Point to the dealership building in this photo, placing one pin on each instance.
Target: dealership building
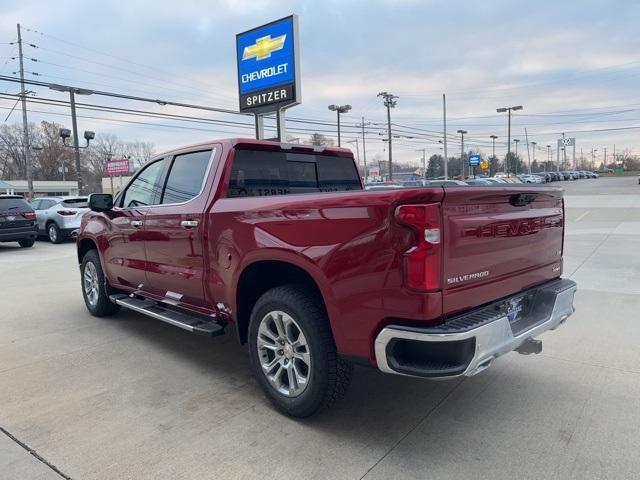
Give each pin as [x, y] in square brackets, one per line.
[41, 188]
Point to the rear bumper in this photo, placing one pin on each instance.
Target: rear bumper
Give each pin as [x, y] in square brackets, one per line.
[18, 233]
[468, 343]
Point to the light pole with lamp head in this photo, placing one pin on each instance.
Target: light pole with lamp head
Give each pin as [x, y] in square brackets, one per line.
[502, 110]
[462, 133]
[339, 109]
[74, 123]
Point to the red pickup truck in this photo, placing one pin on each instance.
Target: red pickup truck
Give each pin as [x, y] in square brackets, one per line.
[315, 274]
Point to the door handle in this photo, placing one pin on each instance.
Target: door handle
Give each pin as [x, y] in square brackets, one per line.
[137, 223]
[189, 223]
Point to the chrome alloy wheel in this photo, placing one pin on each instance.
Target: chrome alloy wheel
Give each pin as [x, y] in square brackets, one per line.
[53, 233]
[284, 353]
[91, 286]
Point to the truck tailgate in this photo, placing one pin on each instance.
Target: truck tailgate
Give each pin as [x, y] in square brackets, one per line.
[499, 241]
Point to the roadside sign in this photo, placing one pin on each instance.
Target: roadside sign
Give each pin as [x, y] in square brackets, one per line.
[484, 165]
[268, 66]
[474, 160]
[117, 167]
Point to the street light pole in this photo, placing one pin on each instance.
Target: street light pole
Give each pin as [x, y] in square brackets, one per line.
[462, 132]
[339, 109]
[508, 110]
[74, 124]
[389, 102]
[534, 155]
[516, 140]
[76, 145]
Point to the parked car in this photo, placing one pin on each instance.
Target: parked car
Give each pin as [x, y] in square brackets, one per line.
[534, 178]
[315, 274]
[447, 183]
[58, 217]
[478, 181]
[495, 180]
[17, 221]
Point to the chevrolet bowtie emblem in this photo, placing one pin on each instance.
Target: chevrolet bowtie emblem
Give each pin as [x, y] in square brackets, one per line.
[263, 47]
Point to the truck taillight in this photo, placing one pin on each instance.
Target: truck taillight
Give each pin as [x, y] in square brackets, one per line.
[422, 261]
[66, 213]
[29, 215]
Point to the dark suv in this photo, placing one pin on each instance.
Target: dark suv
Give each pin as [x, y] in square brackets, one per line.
[17, 221]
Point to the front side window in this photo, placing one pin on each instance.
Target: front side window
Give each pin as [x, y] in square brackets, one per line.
[145, 188]
[186, 177]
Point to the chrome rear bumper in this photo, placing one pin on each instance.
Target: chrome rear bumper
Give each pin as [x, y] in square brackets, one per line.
[468, 343]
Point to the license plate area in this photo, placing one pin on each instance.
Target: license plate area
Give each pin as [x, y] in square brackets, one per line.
[515, 308]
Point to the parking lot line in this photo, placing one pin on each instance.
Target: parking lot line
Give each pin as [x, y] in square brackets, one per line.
[582, 216]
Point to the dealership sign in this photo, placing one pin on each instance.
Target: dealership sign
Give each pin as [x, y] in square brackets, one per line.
[474, 160]
[117, 167]
[267, 58]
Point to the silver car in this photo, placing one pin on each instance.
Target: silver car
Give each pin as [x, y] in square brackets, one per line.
[58, 217]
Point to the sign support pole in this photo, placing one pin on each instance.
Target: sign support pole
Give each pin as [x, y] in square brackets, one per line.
[259, 118]
[281, 124]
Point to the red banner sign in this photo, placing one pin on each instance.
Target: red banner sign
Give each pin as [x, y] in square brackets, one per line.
[118, 167]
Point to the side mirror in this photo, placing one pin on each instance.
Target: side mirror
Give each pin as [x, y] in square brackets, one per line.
[100, 202]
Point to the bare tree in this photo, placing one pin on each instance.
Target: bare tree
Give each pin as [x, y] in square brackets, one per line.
[320, 140]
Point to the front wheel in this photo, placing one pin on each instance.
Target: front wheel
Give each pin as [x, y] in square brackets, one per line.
[95, 289]
[292, 352]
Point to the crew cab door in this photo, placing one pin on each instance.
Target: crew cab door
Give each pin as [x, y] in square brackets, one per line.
[125, 260]
[174, 229]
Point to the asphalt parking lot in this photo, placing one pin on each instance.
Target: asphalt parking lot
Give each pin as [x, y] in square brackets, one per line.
[130, 397]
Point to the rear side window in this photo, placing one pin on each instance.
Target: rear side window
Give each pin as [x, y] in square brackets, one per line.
[186, 177]
[262, 173]
[76, 202]
[145, 188]
[14, 205]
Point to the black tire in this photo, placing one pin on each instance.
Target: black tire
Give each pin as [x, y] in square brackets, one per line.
[102, 307]
[54, 234]
[328, 376]
[26, 243]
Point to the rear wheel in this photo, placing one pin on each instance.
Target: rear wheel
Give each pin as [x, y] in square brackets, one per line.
[95, 289]
[292, 352]
[27, 242]
[54, 233]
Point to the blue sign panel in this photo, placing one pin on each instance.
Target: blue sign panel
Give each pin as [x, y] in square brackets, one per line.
[267, 65]
[474, 160]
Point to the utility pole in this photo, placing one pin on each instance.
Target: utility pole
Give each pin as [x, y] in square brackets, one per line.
[364, 151]
[548, 157]
[389, 102]
[25, 123]
[462, 132]
[444, 117]
[605, 156]
[564, 153]
[424, 161]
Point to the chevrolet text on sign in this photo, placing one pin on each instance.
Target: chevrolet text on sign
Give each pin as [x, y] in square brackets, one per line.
[267, 59]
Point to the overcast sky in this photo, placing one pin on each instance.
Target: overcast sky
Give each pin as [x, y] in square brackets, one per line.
[574, 66]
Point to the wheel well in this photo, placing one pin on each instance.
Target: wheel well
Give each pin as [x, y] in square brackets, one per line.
[84, 246]
[259, 277]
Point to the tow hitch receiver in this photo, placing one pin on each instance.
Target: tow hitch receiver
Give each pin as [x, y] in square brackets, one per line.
[529, 346]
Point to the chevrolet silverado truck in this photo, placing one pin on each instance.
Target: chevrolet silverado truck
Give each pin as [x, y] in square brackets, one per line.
[315, 274]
